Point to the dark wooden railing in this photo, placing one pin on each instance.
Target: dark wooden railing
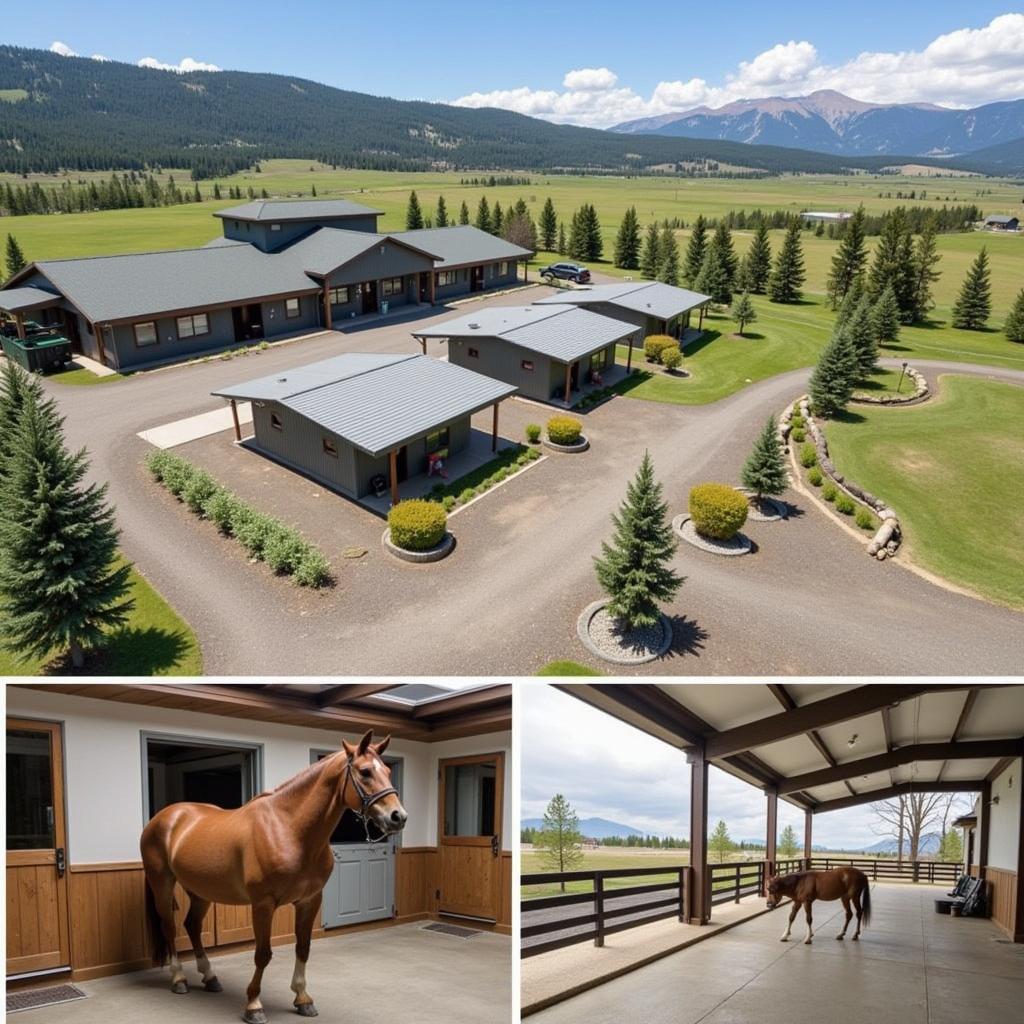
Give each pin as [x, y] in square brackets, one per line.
[731, 882]
[932, 871]
[607, 907]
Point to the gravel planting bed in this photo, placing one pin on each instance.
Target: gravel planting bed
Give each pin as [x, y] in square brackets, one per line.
[434, 554]
[769, 510]
[601, 635]
[683, 527]
[580, 446]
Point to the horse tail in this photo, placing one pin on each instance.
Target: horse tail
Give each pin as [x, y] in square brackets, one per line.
[156, 929]
[865, 902]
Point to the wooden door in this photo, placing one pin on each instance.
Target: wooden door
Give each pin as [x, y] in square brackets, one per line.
[469, 820]
[37, 886]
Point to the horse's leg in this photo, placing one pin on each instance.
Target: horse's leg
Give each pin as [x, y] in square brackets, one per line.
[197, 909]
[789, 924]
[306, 913]
[849, 914]
[163, 897]
[262, 918]
[810, 932]
[857, 907]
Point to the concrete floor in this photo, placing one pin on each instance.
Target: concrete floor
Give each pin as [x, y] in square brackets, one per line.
[402, 974]
[911, 966]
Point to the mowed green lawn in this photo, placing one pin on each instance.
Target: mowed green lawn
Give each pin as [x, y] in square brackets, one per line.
[953, 469]
[155, 641]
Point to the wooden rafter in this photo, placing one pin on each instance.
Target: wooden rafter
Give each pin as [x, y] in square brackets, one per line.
[344, 692]
[973, 786]
[969, 699]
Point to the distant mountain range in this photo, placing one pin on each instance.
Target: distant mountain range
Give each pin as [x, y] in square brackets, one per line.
[829, 122]
[595, 828]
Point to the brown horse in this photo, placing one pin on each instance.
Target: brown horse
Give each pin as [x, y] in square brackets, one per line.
[803, 888]
[273, 850]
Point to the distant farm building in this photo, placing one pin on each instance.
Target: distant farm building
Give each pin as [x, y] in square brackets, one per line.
[1000, 222]
[825, 217]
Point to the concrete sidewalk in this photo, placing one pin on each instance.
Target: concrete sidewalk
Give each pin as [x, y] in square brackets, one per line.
[170, 435]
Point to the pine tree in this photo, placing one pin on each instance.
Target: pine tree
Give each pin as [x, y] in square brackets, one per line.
[863, 337]
[721, 241]
[849, 259]
[577, 237]
[627, 242]
[593, 244]
[18, 389]
[60, 587]
[850, 301]
[832, 381]
[15, 258]
[719, 841]
[464, 213]
[497, 220]
[893, 263]
[313, 191]
[886, 318]
[713, 278]
[696, 249]
[559, 838]
[759, 260]
[413, 214]
[634, 569]
[441, 216]
[787, 845]
[1014, 326]
[548, 225]
[668, 265]
[926, 256]
[651, 255]
[563, 245]
[974, 303]
[764, 472]
[216, 191]
[786, 280]
[743, 311]
[483, 215]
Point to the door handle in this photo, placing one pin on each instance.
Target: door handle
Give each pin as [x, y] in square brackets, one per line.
[61, 864]
[495, 847]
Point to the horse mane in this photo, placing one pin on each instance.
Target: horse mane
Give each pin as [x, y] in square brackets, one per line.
[301, 777]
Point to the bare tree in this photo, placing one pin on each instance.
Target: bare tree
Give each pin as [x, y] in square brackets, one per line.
[909, 817]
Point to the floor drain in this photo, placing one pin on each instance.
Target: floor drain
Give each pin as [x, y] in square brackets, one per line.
[31, 999]
[452, 929]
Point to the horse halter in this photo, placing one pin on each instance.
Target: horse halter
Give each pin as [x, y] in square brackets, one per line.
[366, 800]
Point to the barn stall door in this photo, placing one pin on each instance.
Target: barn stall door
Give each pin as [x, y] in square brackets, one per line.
[470, 835]
[37, 893]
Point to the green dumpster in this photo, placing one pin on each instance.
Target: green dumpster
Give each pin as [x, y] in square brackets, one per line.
[38, 355]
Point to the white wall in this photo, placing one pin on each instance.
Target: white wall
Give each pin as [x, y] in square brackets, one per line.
[1004, 824]
[104, 776]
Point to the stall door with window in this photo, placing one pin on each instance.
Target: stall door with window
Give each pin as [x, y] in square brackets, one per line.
[470, 841]
[37, 894]
[362, 884]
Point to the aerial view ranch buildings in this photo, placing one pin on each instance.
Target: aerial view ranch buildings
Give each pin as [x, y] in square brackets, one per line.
[316, 445]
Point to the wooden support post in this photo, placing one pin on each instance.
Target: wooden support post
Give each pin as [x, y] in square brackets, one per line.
[423, 345]
[526, 271]
[19, 321]
[599, 910]
[700, 895]
[433, 284]
[568, 383]
[328, 322]
[629, 356]
[1017, 924]
[684, 910]
[494, 429]
[393, 473]
[234, 417]
[983, 827]
[700, 323]
[771, 832]
[808, 829]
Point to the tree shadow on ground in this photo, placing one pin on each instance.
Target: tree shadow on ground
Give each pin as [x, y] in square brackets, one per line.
[702, 342]
[687, 637]
[847, 416]
[128, 652]
[748, 336]
[634, 380]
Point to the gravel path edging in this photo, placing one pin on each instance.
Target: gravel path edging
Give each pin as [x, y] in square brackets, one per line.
[434, 554]
[755, 515]
[682, 527]
[570, 449]
[583, 632]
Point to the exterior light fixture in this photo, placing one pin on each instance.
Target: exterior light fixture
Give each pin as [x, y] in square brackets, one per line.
[852, 741]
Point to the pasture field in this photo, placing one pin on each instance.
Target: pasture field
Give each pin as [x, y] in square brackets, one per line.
[953, 469]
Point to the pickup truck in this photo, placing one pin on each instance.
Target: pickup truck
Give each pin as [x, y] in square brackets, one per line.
[567, 272]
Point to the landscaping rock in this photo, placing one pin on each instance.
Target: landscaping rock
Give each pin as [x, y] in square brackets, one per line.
[683, 527]
[580, 446]
[434, 554]
[604, 637]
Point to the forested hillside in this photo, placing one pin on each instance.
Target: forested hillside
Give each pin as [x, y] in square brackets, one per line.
[79, 114]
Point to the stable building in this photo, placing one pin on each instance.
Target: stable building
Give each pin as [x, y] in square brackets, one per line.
[357, 420]
[654, 307]
[89, 765]
[1001, 222]
[546, 351]
[279, 269]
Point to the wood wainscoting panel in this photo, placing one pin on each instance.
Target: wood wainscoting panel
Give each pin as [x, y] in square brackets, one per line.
[505, 901]
[1002, 887]
[234, 924]
[108, 919]
[415, 874]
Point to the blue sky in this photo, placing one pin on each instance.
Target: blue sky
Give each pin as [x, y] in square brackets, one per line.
[652, 56]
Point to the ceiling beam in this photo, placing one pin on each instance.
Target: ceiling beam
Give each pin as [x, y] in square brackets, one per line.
[887, 729]
[900, 756]
[875, 796]
[854, 703]
[969, 699]
[998, 768]
[648, 700]
[331, 695]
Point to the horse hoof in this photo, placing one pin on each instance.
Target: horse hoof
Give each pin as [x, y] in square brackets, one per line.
[306, 1010]
[254, 1017]
[807, 942]
[180, 988]
[213, 985]
[856, 938]
[839, 938]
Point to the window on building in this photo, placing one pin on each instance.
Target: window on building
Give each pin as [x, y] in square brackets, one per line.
[392, 286]
[330, 448]
[145, 334]
[275, 421]
[527, 364]
[292, 308]
[437, 440]
[599, 360]
[275, 227]
[503, 268]
[446, 277]
[193, 326]
[340, 296]
[474, 353]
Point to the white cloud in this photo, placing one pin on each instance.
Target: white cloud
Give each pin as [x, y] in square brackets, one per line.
[62, 48]
[101, 58]
[186, 64]
[963, 68]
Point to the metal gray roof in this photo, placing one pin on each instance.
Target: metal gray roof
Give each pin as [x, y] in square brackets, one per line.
[326, 249]
[998, 218]
[108, 288]
[663, 301]
[296, 209]
[463, 244]
[377, 402]
[15, 300]
[561, 332]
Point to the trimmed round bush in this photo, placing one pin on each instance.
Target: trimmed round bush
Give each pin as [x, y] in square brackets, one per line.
[417, 525]
[815, 477]
[864, 519]
[533, 431]
[253, 530]
[797, 420]
[565, 430]
[845, 504]
[671, 358]
[313, 570]
[717, 510]
[219, 508]
[798, 435]
[284, 550]
[829, 492]
[448, 502]
[655, 344]
[808, 455]
[198, 490]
